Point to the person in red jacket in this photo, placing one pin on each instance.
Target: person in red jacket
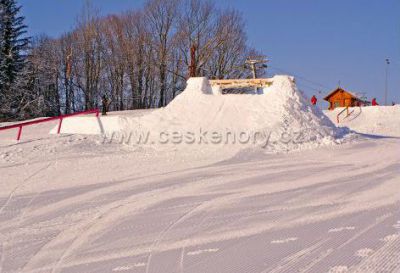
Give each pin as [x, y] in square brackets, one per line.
[314, 100]
[373, 102]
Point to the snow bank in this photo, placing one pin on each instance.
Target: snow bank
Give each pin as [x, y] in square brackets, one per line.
[279, 119]
[374, 120]
[87, 125]
[90, 125]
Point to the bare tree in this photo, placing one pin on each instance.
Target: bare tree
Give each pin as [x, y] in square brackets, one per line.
[67, 55]
[137, 43]
[140, 58]
[114, 59]
[89, 39]
[161, 16]
[196, 28]
[229, 53]
[45, 62]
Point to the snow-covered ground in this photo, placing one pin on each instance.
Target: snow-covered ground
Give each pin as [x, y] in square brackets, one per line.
[373, 120]
[83, 203]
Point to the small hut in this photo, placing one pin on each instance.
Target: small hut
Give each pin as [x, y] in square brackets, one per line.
[342, 98]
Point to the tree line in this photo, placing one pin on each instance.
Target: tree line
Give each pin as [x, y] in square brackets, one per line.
[137, 59]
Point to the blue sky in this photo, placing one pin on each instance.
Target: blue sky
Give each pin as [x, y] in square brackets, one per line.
[321, 42]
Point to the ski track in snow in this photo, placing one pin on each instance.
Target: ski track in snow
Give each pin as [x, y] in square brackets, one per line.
[339, 269]
[341, 229]
[202, 251]
[128, 267]
[363, 253]
[193, 222]
[284, 241]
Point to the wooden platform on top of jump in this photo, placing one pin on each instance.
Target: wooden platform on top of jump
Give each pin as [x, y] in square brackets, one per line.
[240, 83]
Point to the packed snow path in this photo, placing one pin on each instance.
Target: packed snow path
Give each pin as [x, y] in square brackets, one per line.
[70, 204]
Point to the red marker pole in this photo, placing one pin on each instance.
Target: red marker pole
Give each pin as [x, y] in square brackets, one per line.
[59, 125]
[19, 132]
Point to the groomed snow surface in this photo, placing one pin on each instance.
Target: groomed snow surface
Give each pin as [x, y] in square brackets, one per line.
[308, 197]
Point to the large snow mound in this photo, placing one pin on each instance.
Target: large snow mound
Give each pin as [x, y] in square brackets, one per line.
[372, 120]
[279, 119]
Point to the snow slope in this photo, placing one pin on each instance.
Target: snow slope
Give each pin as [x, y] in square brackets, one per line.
[373, 120]
[75, 204]
[280, 116]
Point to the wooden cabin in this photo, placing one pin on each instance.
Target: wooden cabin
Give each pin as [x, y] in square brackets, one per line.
[342, 98]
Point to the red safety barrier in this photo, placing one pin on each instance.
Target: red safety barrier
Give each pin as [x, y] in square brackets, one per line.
[60, 118]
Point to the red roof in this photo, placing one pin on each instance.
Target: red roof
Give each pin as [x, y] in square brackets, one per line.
[341, 89]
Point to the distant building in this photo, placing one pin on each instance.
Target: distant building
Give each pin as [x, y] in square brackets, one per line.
[342, 98]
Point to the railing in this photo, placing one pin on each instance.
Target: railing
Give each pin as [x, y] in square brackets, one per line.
[60, 118]
[341, 112]
[240, 83]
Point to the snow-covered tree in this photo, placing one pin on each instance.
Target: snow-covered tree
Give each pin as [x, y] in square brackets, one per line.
[13, 48]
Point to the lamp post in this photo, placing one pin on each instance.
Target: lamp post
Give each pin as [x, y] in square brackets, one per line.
[386, 79]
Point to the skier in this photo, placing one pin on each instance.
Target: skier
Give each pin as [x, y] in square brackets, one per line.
[314, 100]
[105, 102]
[374, 103]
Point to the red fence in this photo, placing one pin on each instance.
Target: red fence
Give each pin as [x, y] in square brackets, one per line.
[60, 118]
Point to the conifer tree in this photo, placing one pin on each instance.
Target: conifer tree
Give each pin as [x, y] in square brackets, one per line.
[13, 48]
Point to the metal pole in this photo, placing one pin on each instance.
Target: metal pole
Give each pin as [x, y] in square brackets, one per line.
[59, 126]
[386, 80]
[254, 70]
[19, 133]
[252, 63]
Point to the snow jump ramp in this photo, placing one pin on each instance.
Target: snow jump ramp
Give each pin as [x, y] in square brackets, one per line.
[280, 115]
